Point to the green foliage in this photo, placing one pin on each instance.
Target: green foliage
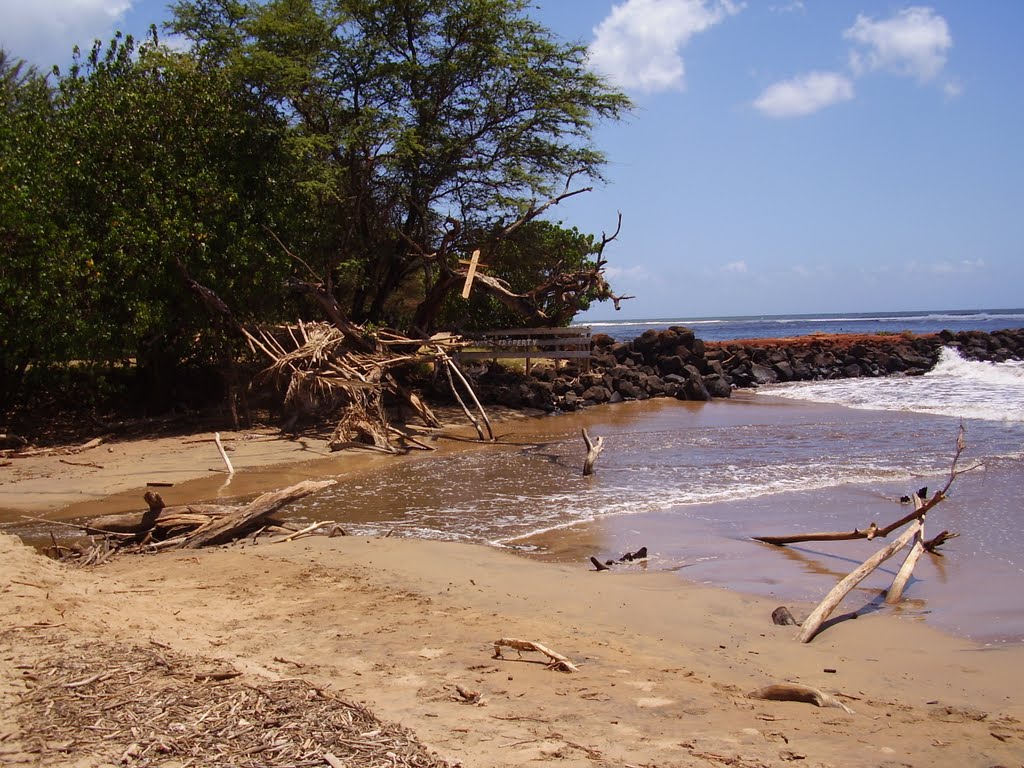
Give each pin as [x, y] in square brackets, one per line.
[137, 160]
[32, 277]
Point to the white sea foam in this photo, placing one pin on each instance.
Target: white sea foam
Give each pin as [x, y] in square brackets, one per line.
[956, 387]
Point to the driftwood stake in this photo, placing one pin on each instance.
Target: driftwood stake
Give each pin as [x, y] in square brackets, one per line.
[473, 397]
[462, 403]
[818, 616]
[907, 569]
[594, 448]
[223, 453]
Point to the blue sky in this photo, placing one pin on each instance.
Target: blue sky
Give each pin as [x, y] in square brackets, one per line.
[784, 157]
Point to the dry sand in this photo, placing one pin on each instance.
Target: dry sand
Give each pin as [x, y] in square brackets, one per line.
[665, 667]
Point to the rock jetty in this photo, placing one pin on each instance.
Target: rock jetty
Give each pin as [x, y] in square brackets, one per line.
[675, 363]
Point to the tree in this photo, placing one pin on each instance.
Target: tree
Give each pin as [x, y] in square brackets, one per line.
[169, 170]
[31, 279]
[137, 166]
[411, 115]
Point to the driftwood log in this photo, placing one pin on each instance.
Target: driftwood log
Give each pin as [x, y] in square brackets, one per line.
[796, 692]
[813, 623]
[191, 515]
[226, 528]
[200, 525]
[899, 583]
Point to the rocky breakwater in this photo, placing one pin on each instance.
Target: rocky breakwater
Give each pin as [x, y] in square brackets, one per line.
[675, 363]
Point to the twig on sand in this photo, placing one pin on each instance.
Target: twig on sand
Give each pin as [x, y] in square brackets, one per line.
[558, 661]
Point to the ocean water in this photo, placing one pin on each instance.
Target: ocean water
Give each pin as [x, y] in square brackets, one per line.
[774, 326]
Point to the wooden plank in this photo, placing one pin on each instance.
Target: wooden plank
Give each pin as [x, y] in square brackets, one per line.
[470, 274]
[518, 344]
[569, 354]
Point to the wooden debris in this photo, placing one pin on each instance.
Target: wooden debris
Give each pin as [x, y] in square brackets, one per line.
[223, 453]
[304, 532]
[557, 660]
[94, 443]
[228, 527]
[594, 448]
[895, 592]
[197, 525]
[469, 695]
[92, 464]
[640, 554]
[813, 622]
[802, 693]
[932, 545]
[158, 707]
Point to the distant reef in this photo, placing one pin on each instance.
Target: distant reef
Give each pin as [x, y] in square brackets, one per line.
[675, 363]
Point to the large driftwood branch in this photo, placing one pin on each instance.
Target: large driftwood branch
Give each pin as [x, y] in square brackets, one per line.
[164, 518]
[224, 529]
[450, 369]
[873, 531]
[813, 622]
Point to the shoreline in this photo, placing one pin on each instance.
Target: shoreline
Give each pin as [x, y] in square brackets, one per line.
[680, 539]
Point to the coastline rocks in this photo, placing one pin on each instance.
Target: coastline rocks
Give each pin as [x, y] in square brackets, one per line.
[675, 363]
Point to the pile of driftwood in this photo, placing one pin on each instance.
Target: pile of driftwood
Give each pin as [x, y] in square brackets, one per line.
[914, 532]
[339, 367]
[191, 526]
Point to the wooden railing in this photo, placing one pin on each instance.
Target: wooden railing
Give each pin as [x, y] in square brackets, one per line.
[530, 344]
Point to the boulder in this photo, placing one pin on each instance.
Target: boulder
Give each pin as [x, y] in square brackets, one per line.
[762, 374]
[717, 385]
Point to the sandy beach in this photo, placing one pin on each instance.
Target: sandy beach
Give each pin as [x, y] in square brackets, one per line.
[665, 666]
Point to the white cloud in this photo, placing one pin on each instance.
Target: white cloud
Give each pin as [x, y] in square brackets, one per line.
[638, 44]
[735, 267]
[804, 94]
[953, 88]
[638, 272]
[913, 42]
[43, 32]
[962, 267]
[795, 6]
